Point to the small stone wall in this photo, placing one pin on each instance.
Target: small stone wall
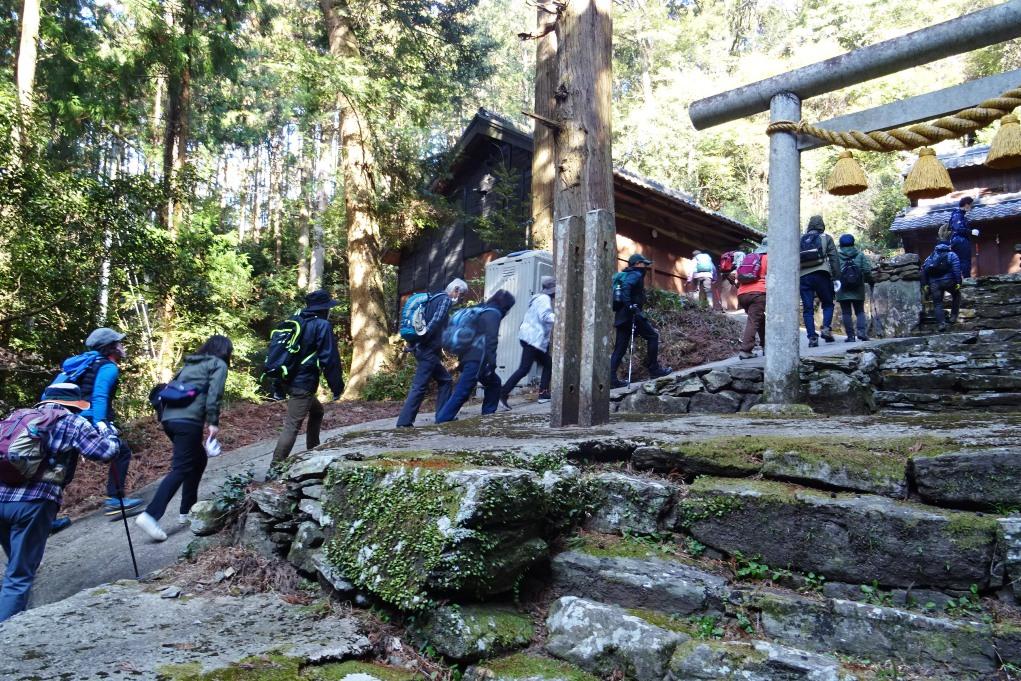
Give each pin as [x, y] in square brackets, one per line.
[991, 302]
[896, 296]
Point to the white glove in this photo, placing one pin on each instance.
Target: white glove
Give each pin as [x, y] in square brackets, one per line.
[974, 232]
[836, 285]
[107, 429]
[213, 448]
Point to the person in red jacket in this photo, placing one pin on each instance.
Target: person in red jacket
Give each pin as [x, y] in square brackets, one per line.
[751, 296]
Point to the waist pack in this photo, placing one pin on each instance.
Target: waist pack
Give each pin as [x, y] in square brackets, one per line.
[23, 455]
[462, 331]
[173, 394]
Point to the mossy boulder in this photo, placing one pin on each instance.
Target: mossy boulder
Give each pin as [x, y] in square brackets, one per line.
[525, 667]
[752, 661]
[877, 633]
[470, 632]
[985, 478]
[860, 471]
[850, 538]
[730, 457]
[408, 530]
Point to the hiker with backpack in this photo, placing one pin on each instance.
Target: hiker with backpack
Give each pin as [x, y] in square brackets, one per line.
[473, 335]
[855, 273]
[311, 352]
[961, 233]
[820, 269]
[534, 336]
[942, 272]
[423, 320]
[37, 449]
[751, 296]
[97, 373]
[628, 300]
[201, 382]
[705, 277]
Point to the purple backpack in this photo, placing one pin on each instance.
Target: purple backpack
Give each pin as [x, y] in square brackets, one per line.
[23, 455]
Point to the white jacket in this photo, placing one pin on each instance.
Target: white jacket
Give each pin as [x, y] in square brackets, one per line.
[537, 325]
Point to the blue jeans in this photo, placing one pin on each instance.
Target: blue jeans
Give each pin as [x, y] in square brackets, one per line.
[962, 249]
[430, 367]
[464, 389]
[24, 528]
[814, 284]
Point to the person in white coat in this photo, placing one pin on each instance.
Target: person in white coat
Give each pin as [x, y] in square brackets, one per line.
[534, 337]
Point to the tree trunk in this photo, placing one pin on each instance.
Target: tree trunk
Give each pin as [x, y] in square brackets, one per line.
[364, 240]
[543, 170]
[255, 194]
[25, 69]
[317, 259]
[273, 197]
[304, 211]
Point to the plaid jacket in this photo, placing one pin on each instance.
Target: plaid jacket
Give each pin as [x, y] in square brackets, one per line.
[73, 436]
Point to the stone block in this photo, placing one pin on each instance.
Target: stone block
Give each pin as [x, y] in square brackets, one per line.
[643, 403]
[845, 537]
[717, 379]
[628, 503]
[1010, 535]
[872, 477]
[724, 402]
[687, 386]
[694, 459]
[308, 538]
[465, 633]
[526, 667]
[605, 639]
[897, 305]
[206, 517]
[746, 386]
[751, 661]
[876, 632]
[646, 583]
[272, 500]
[970, 479]
[834, 392]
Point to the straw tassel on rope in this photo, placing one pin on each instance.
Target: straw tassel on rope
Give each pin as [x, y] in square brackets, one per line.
[1005, 151]
[847, 177]
[928, 178]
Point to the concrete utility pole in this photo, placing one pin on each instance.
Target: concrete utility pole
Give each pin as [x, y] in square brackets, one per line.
[782, 96]
[585, 244]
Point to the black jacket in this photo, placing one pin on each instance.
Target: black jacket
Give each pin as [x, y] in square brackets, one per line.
[437, 314]
[634, 294]
[487, 326]
[317, 339]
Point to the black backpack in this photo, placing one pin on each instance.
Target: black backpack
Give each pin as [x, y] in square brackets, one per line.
[811, 249]
[283, 354]
[850, 273]
[938, 266]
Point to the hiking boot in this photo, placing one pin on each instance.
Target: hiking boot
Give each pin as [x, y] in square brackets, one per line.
[745, 355]
[863, 338]
[941, 328]
[617, 383]
[151, 527]
[112, 505]
[813, 342]
[660, 371]
[827, 334]
[58, 524]
[543, 398]
[850, 339]
[182, 519]
[503, 402]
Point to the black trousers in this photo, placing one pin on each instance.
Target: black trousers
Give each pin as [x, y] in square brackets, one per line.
[186, 468]
[529, 356]
[643, 329]
[938, 288]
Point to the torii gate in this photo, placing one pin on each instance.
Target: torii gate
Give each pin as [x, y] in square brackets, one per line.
[782, 96]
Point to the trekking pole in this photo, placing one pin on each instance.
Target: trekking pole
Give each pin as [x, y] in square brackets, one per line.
[631, 353]
[124, 516]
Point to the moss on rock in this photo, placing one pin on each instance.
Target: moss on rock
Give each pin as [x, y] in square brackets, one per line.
[532, 667]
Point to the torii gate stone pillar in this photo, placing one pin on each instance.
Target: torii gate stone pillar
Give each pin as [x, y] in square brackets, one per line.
[782, 384]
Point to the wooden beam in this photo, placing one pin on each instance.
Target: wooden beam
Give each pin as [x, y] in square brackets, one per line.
[916, 109]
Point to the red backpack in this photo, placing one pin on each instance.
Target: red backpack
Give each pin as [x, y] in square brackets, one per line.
[23, 455]
[727, 262]
[750, 269]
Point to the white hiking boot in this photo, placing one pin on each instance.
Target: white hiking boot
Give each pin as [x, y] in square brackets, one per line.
[151, 527]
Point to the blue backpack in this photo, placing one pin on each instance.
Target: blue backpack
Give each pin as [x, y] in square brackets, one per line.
[462, 332]
[73, 367]
[413, 321]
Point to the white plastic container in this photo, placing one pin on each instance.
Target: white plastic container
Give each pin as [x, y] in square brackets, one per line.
[521, 274]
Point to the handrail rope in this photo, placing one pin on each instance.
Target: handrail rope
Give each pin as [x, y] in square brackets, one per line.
[914, 136]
